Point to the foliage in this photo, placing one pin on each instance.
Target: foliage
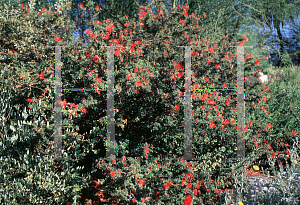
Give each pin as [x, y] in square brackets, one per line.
[27, 139]
[282, 186]
[283, 101]
[244, 13]
[27, 150]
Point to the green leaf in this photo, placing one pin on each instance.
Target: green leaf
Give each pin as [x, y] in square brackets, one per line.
[12, 128]
[14, 138]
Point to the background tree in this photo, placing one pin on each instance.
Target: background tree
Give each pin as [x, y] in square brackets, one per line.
[229, 16]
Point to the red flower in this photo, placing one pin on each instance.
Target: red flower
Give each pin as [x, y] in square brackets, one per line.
[44, 9]
[73, 105]
[99, 80]
[84, 110]
[29, 100]
[257, 62]
[81, 5]
[272, 155]
[69, 203]
[58, 39]
[176, 107]
[171, 182]
[87, 31]
[112, 174]
[97, 7]
[128, 76]
[227, 102]
[138, 83]
[294, 133]
[142, 182]
[206, 79]
[256, 144]
[42, 76]
[116, 41]
[203, 97]
[182, 21]
[189, 185]
[166, 186]
[96, 57]
[133, 200]
[64, 103]
[269, 125]
[96, 183]
[188, 200]
[211, 102]
[140, 16]
[226, 122]
[109, 29]
[212, 124]
[22, 6]
[147, 150]
[92, 35]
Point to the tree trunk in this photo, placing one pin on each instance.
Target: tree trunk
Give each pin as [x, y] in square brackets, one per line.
[281, 42]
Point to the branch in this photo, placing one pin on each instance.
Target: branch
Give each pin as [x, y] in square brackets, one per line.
[144, 6]
[288, 111]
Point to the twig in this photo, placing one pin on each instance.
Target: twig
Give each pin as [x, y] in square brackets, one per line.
[289, 111]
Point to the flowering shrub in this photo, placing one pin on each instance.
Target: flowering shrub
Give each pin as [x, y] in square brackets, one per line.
[161, 78]
[29, 175]
[147, 180]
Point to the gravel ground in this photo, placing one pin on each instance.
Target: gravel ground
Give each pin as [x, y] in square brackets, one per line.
[260, 184]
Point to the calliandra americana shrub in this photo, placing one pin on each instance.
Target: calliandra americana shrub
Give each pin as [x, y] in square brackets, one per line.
[85, 66]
